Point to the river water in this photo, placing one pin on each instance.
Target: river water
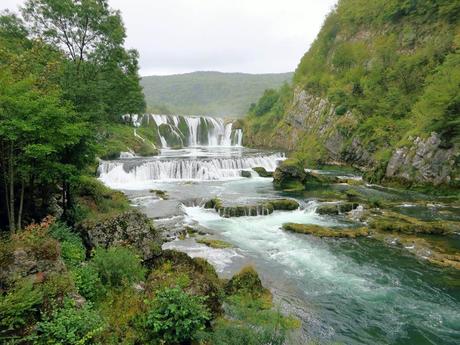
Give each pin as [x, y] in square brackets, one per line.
[345, 291]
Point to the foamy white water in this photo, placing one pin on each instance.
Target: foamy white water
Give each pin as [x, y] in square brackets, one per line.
[126, 175]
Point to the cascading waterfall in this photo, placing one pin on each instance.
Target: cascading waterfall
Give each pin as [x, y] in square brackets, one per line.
[119, 173]
[190, 131]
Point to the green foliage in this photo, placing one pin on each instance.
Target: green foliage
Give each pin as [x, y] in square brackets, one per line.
[88, 282]
[118, 266]
[70, 325]
[19, 307]
[72, 249]
[250, 320]
[266, 102]
[175, 317]
[211, 93]
[438, 108]
[96, 201]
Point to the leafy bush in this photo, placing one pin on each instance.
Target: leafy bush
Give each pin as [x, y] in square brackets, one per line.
[88, 282]
[266, 102]
[118, 266]
[72, 249]
[175, 317]
[70, 325]
[19, 307]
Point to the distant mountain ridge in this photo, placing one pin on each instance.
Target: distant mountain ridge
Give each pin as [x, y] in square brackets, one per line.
[207, 92]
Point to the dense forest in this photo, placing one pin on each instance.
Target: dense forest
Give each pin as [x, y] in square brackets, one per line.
[380, 76]
[208, 93]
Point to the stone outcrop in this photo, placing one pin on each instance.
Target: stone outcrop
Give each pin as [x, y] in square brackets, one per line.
[132, 228]
[425, 161]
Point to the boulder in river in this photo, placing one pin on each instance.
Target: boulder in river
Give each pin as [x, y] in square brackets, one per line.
[262, 172]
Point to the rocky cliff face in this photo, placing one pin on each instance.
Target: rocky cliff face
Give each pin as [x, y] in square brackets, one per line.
[312, 117]
[424, 161]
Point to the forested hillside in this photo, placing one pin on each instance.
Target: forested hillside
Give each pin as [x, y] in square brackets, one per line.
[208, 93]
[379, 89]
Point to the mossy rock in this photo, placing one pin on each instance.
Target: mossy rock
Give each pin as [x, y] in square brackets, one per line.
[173, 139]
[396, 222]
[183, 127]
[245, 173]
[247, 281]
[284, 204]
[203, 130]
[147, 149]
[312, 178]
[353, 195]
[194, 275]
[289, 175]
[245, 210]
[262, 172]
[213, 243]
[335, 209]
[160, 193]
[321, 231]
[214, 203]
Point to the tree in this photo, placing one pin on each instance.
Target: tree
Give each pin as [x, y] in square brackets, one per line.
[30, 146]
[100, 77]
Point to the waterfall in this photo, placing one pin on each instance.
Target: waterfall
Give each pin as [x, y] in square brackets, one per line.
[116, 173]
[189, 131]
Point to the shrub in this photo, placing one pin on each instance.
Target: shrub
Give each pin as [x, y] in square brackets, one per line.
[72, 249]
[88, 282]
[70, 325]
[19, 307]
[176, 317]
[118, 266]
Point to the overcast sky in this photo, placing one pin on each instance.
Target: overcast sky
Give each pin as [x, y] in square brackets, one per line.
[253, 36]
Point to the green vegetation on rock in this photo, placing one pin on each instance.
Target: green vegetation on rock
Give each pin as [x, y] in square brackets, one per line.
[322, 231]
[213, 243]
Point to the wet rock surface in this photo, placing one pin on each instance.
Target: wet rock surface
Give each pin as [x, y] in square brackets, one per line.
[132, 228]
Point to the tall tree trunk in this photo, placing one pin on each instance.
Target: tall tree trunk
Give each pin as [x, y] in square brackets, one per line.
[11, 188]
[21, 203]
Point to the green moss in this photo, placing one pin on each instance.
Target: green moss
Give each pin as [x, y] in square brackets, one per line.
[147, 149]
[195, 276]
[392, 221]
[284, 204]
[96, 202]
[262, 172]
[247, 281]
[213, 243]
[289, 175]
[214, 203]
[174, 140]
[321, 231]
[334, 209]
[160, 193]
